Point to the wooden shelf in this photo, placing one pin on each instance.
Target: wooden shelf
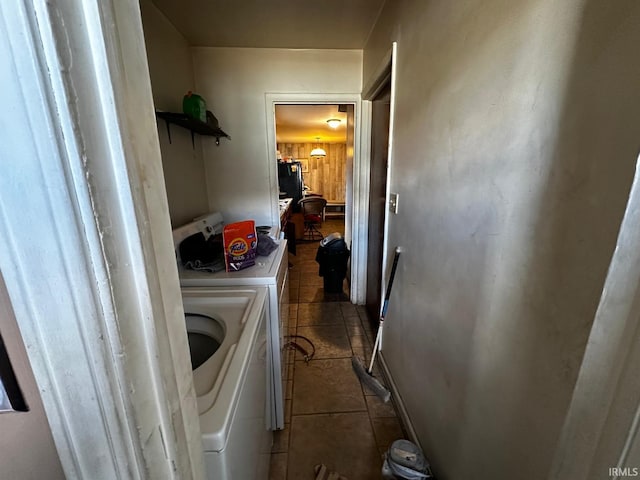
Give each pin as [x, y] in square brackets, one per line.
[193, 125]
[334, 210]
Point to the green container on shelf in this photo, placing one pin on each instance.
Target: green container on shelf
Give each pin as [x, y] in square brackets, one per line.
[194, 106]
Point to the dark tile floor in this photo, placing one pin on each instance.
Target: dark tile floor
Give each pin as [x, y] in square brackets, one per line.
[330, 417]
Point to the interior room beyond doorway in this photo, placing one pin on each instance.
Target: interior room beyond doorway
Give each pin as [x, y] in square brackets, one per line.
[315, 136]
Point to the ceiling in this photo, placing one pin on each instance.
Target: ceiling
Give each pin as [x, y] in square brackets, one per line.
[305, 123]
[330, 24]
[339, 24]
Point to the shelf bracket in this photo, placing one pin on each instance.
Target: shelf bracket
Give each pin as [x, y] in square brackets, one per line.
[193, 125]
[218, 137]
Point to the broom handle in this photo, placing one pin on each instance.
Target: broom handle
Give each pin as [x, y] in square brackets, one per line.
[387, 294]
[385, 305]
[375, 350]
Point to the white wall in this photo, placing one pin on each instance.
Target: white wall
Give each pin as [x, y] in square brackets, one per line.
[514, 148]
[241, 173]
[171, 72]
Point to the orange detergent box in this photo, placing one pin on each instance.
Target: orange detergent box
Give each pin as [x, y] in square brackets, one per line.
[240, 244]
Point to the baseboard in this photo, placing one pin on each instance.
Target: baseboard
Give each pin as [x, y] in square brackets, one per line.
[396, 398]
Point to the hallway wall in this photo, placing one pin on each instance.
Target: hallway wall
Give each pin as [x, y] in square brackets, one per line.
[235, 81]
[171, 72]
[515, 140]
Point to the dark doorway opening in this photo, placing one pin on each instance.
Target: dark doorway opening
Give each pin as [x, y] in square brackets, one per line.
[380, 117]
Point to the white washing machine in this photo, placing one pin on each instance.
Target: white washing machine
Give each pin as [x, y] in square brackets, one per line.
[270, 272]
[228, 344]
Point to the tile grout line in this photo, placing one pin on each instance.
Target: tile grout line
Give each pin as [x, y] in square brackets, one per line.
[312, 303]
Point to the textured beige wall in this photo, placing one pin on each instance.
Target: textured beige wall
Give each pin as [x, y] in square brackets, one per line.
[514, 148]
[171, 72]
[26, 446]
[241, 175]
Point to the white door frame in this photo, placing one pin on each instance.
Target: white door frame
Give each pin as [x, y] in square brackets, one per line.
[360, 185]
[386, 71]
[85, 241]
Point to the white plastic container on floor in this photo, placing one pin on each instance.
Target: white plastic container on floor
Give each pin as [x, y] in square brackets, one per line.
[405, 461]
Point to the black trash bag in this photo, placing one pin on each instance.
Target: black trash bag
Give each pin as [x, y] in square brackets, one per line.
[333, 257]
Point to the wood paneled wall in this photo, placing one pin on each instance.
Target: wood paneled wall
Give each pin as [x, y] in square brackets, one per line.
[326, 175]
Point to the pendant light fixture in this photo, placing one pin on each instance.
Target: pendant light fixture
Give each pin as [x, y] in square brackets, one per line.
[317, 151]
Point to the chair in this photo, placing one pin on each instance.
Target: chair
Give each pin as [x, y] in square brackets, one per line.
[312, 211]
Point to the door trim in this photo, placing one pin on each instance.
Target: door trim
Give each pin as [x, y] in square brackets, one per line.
[360, 184]
[381, 74]
[385, 72]
[85, 242]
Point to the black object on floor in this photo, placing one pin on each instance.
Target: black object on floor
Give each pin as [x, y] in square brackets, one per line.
[333, 256]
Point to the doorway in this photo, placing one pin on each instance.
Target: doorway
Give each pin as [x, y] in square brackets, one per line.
[301, 132]
[355, 180]
[311, 151]
[380, 120]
